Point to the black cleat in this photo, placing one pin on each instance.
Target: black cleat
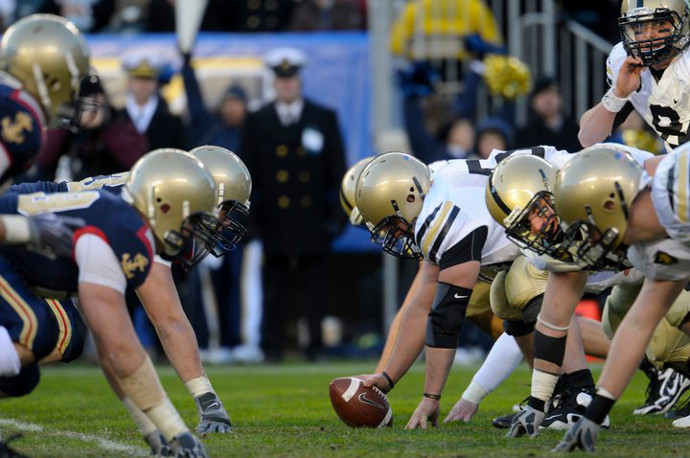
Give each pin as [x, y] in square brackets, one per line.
[663, 392]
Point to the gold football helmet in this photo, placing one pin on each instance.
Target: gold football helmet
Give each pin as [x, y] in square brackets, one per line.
[49, 56]
[176, 194]
[518, 189]
[389, 194]
[347, 192]
[593, 193]
[667, 18]
[234, 186]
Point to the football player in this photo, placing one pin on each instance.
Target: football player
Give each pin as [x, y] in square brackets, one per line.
[44, 64]
[505, 355]
[519, 191]
[611, 203]
[158, 293]
[168, 202]
[647, 72]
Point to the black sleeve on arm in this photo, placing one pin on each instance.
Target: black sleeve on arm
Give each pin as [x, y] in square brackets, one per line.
[467, 249]
[622, 115]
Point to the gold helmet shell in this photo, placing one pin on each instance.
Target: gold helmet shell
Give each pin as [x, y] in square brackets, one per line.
[592, 194]
[635, 14]
[49, 56]
[518, 188]
[347, 191]
[233, 181]
[172, 189]
[234, 187]
[390, 194]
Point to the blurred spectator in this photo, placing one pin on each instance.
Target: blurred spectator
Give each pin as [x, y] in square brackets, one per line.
[440, 29]
[220, 127]
[220, 15]
[310, 15]
[492, 133]
[294, 150]
[88, 15]
[548, 124]
[107, 143]
[146, 108]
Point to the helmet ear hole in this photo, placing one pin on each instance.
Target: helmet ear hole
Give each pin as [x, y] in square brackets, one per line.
[410, 198]
[609, 205]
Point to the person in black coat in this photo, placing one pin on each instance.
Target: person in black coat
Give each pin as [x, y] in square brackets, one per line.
[294, 151]
[548, 124]
[146, 107]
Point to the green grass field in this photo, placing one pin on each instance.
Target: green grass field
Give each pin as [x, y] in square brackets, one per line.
[285, 411]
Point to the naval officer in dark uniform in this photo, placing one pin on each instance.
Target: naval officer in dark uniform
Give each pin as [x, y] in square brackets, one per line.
[294, 150]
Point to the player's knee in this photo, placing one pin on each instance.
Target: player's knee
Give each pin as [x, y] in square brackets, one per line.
[22, 383]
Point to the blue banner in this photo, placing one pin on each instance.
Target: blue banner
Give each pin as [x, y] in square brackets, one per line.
[337, 75]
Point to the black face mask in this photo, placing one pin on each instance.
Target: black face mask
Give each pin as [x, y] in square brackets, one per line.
[70, 115]
[401, 245]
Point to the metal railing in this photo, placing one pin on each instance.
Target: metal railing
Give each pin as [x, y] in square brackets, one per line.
[535, 33]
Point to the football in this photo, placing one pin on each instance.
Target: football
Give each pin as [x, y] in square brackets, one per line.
[358, 406]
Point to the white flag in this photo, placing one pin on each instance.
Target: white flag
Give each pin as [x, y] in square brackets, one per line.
[188, 16]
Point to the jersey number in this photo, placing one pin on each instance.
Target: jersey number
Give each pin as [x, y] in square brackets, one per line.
[672, 128]
[475, 165]
[31, 204]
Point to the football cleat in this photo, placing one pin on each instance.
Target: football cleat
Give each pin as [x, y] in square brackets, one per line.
[567, 408]
[159, 446]
[212, 415]
[186, 445]
[663, 392]
[682, 411]
[504, 421]
[582, 435]
[526, 422]
[683, 422]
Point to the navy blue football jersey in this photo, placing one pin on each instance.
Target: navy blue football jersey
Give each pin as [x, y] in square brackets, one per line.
[21, 128]
[103, 214]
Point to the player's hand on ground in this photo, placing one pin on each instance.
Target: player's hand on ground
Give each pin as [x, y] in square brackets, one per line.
[425, 415]
[628, 80]
[51, 235]
[159, 446]
[377, 380]
[463, 410]
[213, 418]
[526, 421]
[582, 435]
[187, 445]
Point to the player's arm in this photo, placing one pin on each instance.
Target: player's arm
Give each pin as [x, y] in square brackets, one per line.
[444, 323]
[598, 122]
[39, 186]
[395, 326]
[46, 233]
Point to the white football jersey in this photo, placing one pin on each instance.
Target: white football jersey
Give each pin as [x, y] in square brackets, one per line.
[454, 207]
[668, 259]
[664, 105]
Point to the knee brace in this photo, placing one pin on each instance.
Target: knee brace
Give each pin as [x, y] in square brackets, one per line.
[447, 315]
[22, 383]
[551, 349]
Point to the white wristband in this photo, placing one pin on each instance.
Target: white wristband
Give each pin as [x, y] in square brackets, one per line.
[612, 103]
[475, 393]
[17, 229]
